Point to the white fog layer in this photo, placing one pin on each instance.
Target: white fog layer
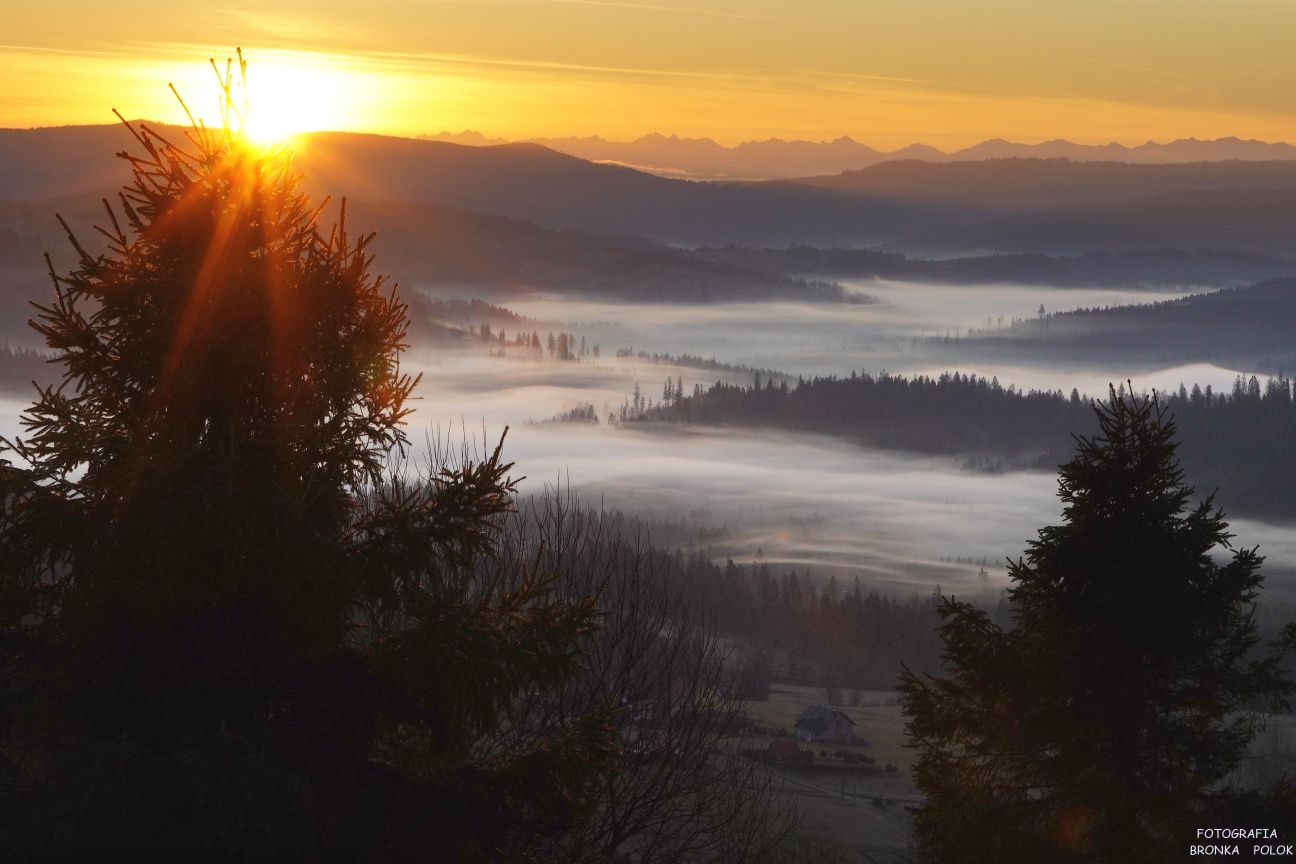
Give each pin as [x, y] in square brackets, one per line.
[898, 521]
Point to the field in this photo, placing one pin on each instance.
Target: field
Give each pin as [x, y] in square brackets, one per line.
[862, 808]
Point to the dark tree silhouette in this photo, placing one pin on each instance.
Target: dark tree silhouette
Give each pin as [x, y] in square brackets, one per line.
[1102, 725]
[224, 627]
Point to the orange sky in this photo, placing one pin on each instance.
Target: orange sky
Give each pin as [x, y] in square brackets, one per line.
[945, 72]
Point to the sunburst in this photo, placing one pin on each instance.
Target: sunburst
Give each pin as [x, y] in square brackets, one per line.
[286, 97]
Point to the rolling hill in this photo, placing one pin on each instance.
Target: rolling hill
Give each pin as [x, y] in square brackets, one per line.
[1027, 185]
[535, 184]
[935, 209]
[1256, 222]
[1245, 327]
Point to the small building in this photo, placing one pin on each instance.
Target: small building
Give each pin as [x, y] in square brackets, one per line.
[818, 723]
[782, 750]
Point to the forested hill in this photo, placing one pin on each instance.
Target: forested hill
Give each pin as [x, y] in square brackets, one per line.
[1025, 185]
[1153, 267]
[1247, 327]
[432, 244]
[1266, 309]
[1243, 442]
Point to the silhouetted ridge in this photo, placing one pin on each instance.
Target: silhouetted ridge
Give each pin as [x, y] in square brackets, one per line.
[1018, 184]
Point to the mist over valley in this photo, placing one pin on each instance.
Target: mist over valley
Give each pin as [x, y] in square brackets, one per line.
[901, 521]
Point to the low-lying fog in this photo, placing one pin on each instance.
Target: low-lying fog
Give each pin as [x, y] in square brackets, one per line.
[896, 521]
[806, 501]
[801, 500]
[821, 339]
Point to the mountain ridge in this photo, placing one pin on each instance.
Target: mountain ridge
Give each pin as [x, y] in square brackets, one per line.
[778, 158]
[905, 205]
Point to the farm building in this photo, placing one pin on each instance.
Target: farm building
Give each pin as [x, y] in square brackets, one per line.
[818, 723]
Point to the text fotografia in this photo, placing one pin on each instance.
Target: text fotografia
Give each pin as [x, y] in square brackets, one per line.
[1245, 834]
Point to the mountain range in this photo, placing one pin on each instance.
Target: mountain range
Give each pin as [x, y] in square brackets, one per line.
[775, 158]
[537, 198]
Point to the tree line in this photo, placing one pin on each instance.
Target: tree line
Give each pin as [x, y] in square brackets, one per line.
[1243, 440]
[808, 628]
[564, 346]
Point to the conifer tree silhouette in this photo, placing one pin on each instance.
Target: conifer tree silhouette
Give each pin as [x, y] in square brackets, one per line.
[1100, 726]
[226, 627]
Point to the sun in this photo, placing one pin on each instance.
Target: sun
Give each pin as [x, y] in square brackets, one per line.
[285, 99]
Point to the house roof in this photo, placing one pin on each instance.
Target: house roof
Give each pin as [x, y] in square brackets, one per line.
[818, 714]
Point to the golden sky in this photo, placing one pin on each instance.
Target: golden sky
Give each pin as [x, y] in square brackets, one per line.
[888, 73]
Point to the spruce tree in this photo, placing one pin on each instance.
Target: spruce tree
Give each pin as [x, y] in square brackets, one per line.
[1103, 724]
[226, 627]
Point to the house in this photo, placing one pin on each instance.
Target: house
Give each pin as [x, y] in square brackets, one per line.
[818, 723]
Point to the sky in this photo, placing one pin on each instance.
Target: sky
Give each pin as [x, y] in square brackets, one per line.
[945, 72]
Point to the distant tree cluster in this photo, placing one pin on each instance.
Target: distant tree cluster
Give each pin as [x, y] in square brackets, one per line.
[846, 638]
[563, 347]
[815, 626]
[695, 361]
[1243, 441]
[583, 413]
[464, 312]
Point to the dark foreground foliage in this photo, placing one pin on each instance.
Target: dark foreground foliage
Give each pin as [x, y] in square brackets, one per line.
[224, 628]
[1103, 724]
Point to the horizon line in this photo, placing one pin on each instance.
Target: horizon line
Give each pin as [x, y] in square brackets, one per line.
[595, 137]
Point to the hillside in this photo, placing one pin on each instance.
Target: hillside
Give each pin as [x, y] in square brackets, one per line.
[62, 160]
[535, 184]
[1020, 185]
[936, 210]
[1129, 268]
[1258, 222]
[1248, 327]
[428, 243]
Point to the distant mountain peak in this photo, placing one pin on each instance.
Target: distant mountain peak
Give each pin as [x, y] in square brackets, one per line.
[777, 158]
[771, 158]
